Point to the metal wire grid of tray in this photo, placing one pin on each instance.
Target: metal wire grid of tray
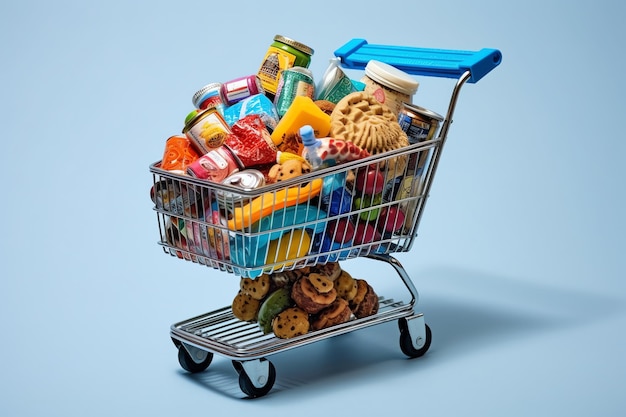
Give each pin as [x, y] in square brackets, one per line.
[221, 332]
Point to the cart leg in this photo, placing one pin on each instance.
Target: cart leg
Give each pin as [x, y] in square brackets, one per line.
[415, 335]
[404, 276]
[256, 377]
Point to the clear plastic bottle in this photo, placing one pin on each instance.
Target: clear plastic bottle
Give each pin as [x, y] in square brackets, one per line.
[312, 145]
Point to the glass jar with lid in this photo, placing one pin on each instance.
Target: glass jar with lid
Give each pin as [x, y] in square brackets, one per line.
[283, 53]
[389, 85]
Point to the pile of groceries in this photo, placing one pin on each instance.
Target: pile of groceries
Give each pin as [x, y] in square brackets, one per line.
[280, 124]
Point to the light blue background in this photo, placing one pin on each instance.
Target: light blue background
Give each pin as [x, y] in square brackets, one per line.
[519, 261]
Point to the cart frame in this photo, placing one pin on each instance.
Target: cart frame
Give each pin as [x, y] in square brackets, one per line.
[218, 331]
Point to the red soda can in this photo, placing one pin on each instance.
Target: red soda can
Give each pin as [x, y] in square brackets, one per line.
[215, 165]
[209, 96]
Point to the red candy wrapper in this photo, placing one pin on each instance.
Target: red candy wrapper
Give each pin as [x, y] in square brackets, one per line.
[251, 142]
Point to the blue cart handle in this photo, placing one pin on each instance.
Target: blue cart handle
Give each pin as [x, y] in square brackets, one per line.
[448, 63]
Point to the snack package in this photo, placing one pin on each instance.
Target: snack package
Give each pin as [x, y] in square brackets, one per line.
[251, 142]
[257, 104]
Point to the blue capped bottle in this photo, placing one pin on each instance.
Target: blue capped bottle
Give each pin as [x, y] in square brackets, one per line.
[335, 197]
[312, 146]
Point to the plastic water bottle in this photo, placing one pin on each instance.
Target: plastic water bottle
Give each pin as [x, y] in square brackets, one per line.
[312, 145]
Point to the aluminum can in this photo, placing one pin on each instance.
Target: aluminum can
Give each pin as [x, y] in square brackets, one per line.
[174, 197]
[335, 83]
[418, 123]
[215, 165]
[245, 180]
[206, 130]
[209, 96]
[240, 88]
[296, 81]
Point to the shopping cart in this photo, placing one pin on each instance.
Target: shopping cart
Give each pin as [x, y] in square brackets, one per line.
[295, 224]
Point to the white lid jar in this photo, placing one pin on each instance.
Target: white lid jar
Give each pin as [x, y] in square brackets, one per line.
[389, 85]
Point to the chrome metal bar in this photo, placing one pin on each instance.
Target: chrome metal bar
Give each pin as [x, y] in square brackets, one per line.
[404, 276]
[443, 134]
[246, 340]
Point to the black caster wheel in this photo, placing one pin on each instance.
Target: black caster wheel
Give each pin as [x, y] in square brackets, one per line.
[407, 344]
[261, 371]
[194, 365]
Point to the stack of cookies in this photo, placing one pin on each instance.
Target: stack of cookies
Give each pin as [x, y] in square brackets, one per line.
[293, 303]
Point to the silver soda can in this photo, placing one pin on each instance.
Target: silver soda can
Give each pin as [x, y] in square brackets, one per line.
[335, 84]
[245, 180]
[296, 81]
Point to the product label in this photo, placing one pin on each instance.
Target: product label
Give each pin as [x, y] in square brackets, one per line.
[304, 88]
[213, 100]
[211, 131]
[212, 166]
[276, 60]
[393, 99]
[379, 94]
[237, 90]
[292, 83]
[336, 92]
[416, 130]
[172, 197]
[213, 160]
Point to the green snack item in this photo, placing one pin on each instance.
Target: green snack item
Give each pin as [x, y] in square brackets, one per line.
[368, 201]
[276, 302]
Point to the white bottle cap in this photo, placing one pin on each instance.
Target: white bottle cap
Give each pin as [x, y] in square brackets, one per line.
[391, 77]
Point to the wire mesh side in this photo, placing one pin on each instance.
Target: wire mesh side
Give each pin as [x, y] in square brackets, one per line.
[370, 206]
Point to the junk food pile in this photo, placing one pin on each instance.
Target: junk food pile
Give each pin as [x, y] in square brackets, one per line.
[293, 302]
